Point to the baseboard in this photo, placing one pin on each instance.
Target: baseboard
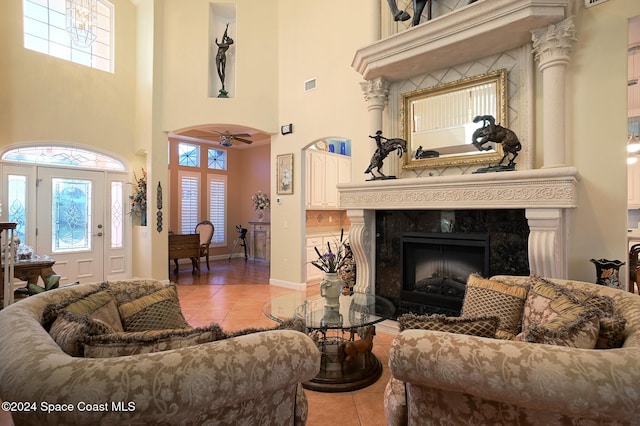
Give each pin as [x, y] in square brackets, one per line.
[288, 284]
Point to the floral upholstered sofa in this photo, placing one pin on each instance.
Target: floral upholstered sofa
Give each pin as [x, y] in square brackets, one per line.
[117, 375]
[444, 377]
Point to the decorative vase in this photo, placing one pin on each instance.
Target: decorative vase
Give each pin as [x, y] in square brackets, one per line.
[608, 272]
[330, 289]
[260, 215]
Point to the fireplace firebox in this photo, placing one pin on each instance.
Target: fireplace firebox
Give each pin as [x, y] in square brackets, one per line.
[435, 269]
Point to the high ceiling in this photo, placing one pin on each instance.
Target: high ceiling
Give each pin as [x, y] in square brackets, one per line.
[210, 133]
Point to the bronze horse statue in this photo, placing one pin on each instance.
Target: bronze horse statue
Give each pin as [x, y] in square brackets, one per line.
[418, 8]
[492, 132]
[348, 351]
[384, 148]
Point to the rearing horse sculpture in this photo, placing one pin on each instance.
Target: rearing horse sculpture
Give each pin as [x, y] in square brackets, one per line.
[385, 147]
[492, 132]
[418, 8]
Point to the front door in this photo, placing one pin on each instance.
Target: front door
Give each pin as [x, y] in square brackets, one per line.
[70, 222]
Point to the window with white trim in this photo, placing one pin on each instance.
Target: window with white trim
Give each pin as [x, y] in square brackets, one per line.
[188, 155]
[189, 201]
[217, 196]
[44, 23]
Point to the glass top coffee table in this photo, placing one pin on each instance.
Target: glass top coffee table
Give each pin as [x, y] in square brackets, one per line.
[344, 335]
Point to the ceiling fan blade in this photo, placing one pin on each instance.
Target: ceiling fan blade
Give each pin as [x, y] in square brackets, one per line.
[243, 140]
[242, 135]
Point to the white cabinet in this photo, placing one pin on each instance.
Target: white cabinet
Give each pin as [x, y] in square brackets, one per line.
[314, 275]
[633, 186]
[260, 237]
[324, 171]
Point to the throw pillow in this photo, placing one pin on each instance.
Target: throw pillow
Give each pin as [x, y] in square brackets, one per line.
[478, 326]
[611, 325]
[69, 329]
[553, 315]
[99, 306]
[143, 342]
[490, 297]
[576, 332]
[159, 310]
[52, 310]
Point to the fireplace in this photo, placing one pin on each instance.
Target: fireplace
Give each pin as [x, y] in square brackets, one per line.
[486, 241]
[435, 268]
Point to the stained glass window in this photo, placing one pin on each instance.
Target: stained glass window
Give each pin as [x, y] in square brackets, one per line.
[188, 155]
[71, 214]
[17, 199]
[217, 159]
[44, 23]
[63, 156]
[117, 214]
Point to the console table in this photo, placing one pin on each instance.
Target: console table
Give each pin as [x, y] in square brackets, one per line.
[184, 246]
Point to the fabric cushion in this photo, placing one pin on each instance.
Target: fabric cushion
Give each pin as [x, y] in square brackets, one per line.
[577, 332]
[143, 342]
[490, 297]
[553, 315]
[99, 306]
[291, 324]
[52, 310]
[159, 310]
[611, 325]
[69, 329]
[478, 326]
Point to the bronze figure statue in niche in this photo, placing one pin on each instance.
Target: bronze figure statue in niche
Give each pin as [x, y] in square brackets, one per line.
[221, 60]
[384, 148]
[418, 8]
[492, 132]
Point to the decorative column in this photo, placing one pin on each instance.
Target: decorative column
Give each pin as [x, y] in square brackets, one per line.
[547, 247]
[552, 48]
[376, 93]
[360, 240]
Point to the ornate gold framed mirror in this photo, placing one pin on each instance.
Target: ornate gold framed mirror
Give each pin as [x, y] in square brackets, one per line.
[437, 122]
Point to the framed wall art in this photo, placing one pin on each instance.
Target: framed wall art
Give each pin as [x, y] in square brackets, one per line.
[285, 174]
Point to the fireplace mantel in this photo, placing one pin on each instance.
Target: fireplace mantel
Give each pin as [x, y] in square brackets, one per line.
[466, 34]
[539, 188]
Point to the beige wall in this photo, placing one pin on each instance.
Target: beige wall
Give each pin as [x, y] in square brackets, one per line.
[317, 40]
[48, 99]
[186, 66]
[597, 132]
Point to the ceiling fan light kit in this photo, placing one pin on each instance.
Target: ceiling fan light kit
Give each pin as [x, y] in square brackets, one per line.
[227, 138]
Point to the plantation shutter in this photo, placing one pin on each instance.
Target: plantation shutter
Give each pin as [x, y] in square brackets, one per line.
[189, 193]
[217, 207]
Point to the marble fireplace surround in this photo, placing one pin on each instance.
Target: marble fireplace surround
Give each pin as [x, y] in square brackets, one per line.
[546, 194]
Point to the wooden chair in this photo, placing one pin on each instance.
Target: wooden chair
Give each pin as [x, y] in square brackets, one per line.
[205, 230]
[634, 267]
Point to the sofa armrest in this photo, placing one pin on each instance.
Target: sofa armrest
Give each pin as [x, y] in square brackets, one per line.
[164, 387]
[591, 383]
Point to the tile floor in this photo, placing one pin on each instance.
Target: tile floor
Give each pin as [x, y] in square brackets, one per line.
[233, 293]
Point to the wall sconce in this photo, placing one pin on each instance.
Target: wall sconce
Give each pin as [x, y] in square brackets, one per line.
[286, 129]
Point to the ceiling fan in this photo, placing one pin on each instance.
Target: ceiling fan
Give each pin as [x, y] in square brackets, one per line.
[226, 137]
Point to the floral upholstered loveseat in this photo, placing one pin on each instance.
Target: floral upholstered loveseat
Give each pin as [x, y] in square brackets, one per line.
[240, 380]
[439, 377]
